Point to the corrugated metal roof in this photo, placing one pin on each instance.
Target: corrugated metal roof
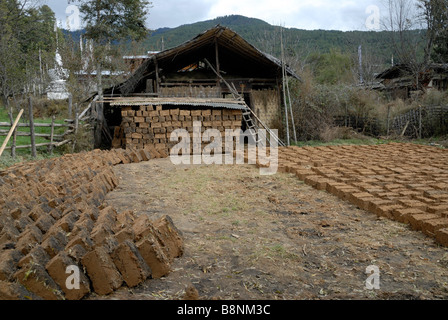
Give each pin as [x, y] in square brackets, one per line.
[211, 103]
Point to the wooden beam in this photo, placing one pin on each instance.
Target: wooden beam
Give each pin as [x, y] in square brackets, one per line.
[157, 75]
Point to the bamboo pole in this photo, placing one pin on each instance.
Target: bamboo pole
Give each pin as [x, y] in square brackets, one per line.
[10, 132]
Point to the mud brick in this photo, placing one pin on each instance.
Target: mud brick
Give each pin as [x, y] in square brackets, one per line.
[85, 222]
[100, 233]
[76, 252]
[312, 180]
[36, 212]
[156, 125]
[402, 214]
[145, 155]
[21, 223]
[124, 219]
[44, 223]
[83, 239]
[102, 272]
[333, 187]
[361, 200]
[154, 113]
[154, 256]
[57, 268]
[142, 226]
[15, 291]
[136, 136]
[36, 256]
[387, 210]
[130, 263]
[344, 193]
[169, 236]
[54, 244]
[376, 202]
[16, 213]
[416, 220]
[442, 236]
[66, 224]
[436, 194]
[216, 112]
[36, 279]
[431, 226]
[415, 204]
[31, 237]
[196, 113]
[139, 119]
[8, 263]
[165, 113]
[440, 209]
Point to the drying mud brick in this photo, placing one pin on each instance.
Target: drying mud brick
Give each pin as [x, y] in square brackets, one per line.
[102, 271]
[35, 278]
[399, 181]
[8, 263]
[54, 218]
[130, 263]
[15, 291]
[154, 256]
[442, 236]
[57, 269]
[169, 236]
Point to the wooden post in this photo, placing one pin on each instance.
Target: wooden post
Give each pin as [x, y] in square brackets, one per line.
[218, 67]
[32, 133]
[70, 103]
[14, 135]
[157, 75]
[420, 127]
[10, 132]
[50, 146]
[388, 120]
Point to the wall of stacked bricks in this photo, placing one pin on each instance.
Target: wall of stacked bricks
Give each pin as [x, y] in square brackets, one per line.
[52, 216]
[266, 104]
[152, 125]
[404, 182]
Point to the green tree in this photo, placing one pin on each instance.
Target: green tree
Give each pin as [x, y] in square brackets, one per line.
[27, 46]
[110, 21]
[435, 15]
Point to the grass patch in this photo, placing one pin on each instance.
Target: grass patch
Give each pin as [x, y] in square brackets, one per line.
[23, 155]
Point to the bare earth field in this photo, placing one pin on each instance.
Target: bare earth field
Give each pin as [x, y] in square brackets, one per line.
[251, 237]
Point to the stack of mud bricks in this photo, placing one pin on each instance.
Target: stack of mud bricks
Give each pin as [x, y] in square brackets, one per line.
[147, 126]
[404, 182]
[52, 219]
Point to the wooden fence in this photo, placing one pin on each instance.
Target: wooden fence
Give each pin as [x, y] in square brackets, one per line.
[54, 140]
[422, 122]
[416, 123]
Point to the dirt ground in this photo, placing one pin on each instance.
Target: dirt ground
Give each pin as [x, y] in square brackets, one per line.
[251, 237]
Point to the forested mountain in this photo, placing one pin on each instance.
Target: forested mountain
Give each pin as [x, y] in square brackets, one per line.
[266, 37]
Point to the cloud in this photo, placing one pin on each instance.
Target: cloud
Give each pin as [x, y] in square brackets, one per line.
[304, 14]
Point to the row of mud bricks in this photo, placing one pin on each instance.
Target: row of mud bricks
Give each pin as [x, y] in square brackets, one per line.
[404, 182]
[53, 221]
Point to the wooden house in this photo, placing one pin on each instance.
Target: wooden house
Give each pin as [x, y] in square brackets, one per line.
[197, 76]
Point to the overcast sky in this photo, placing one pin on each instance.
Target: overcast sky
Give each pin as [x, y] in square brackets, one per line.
[303, 14]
